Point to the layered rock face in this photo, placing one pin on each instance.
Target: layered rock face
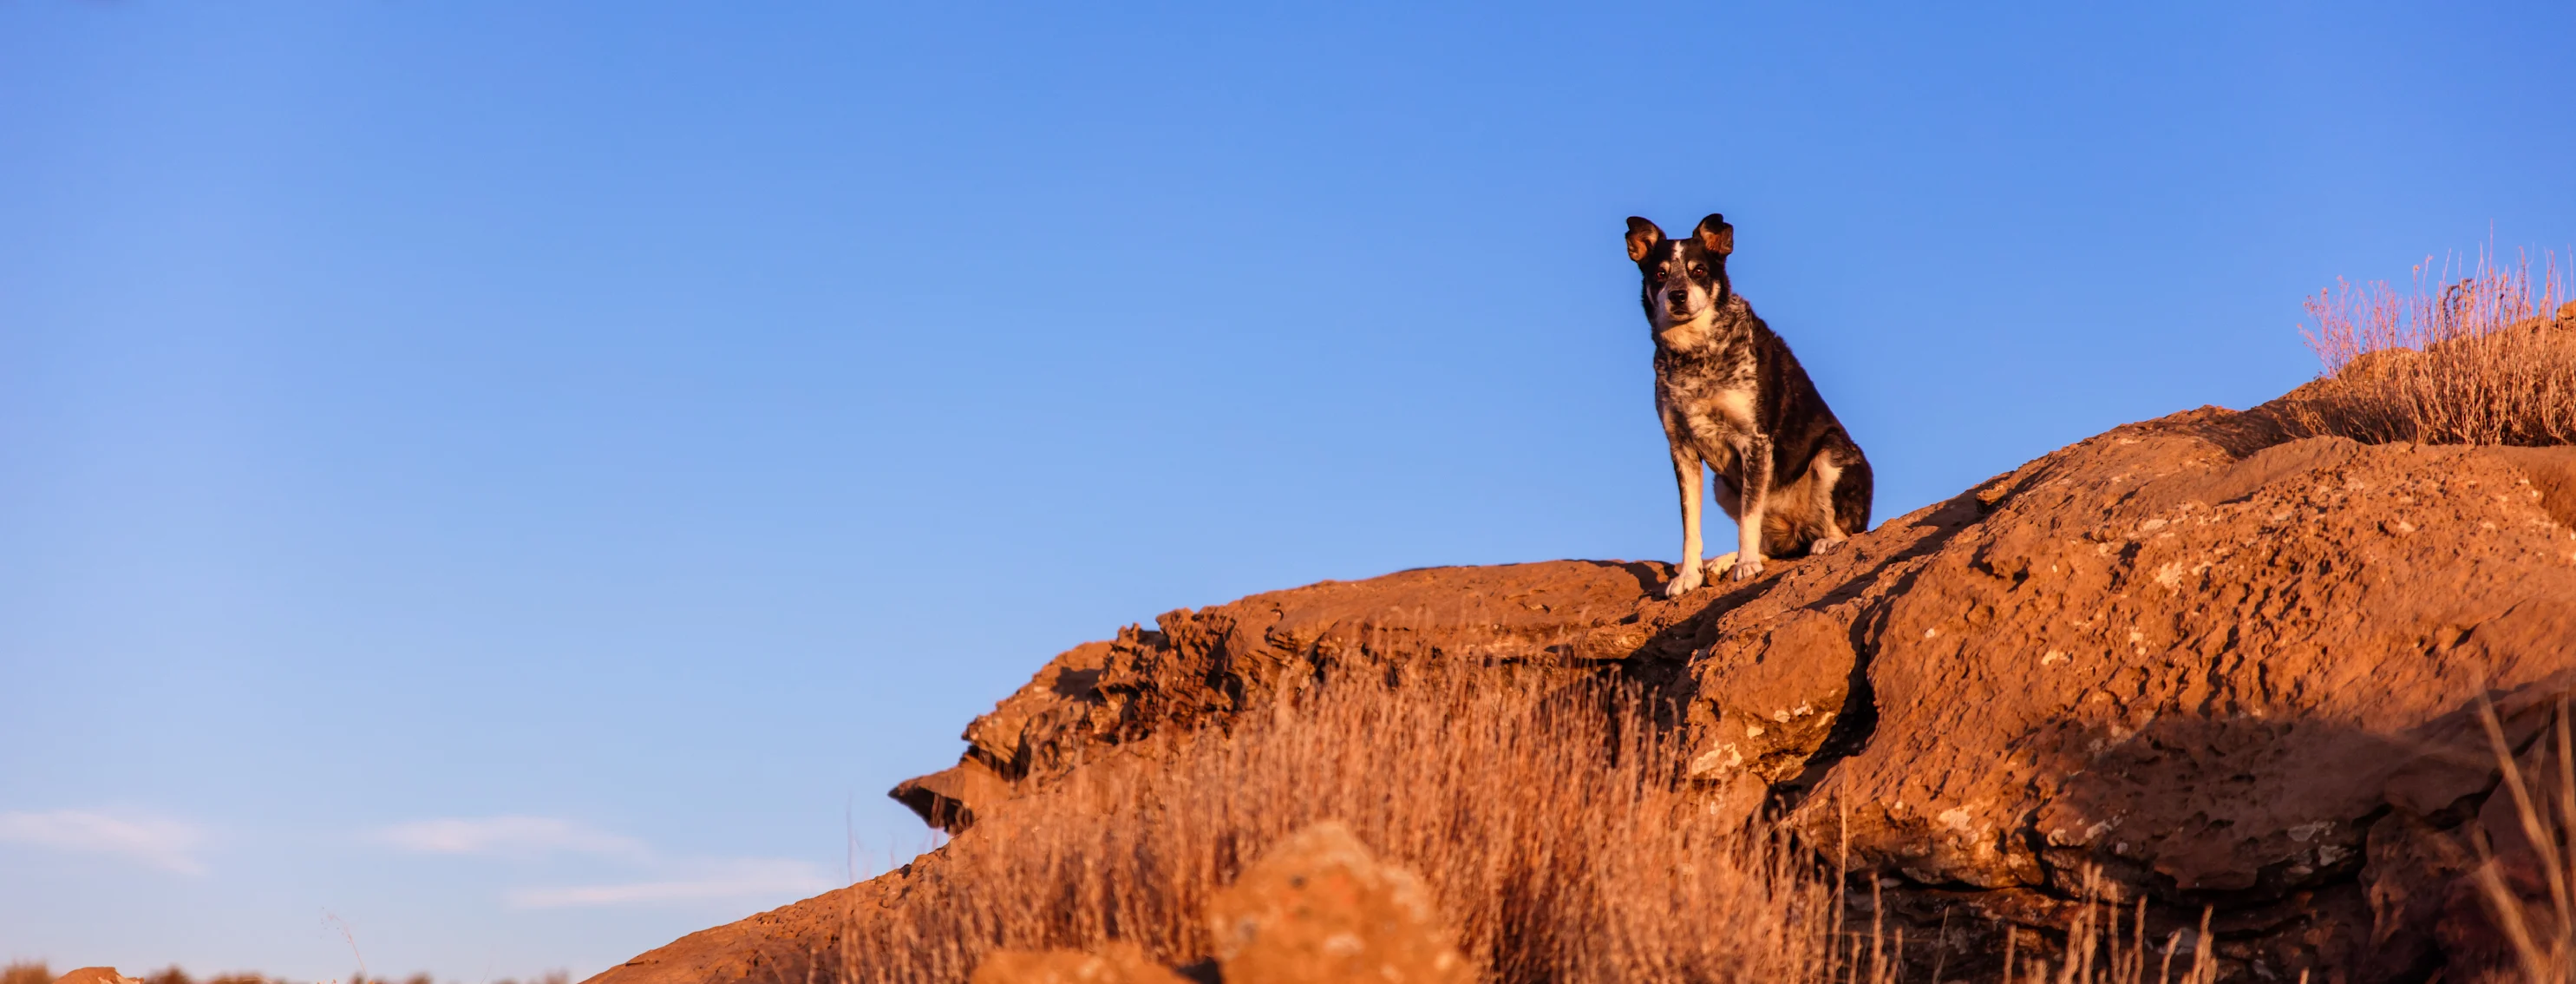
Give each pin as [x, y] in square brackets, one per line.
[2247, 682]
[2202, 663]
[1202, 666]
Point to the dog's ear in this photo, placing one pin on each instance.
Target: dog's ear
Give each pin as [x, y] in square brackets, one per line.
[1642, 236]
[1715, 235]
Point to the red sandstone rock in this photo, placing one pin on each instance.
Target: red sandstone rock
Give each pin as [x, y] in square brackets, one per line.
[1319, 909]
[797, 942]
[1113, 965]
[2221, 666]
[1224, 659]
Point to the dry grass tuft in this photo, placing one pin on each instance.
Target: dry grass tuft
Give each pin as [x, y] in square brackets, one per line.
[2531, 894]
[2099, 951]
[2486, 359]
[174, 975]
[1548, 819]
[37, 972]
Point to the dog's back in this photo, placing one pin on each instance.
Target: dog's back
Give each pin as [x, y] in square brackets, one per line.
[1805, 431]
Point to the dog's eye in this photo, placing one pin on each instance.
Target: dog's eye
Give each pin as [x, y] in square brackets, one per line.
[1699, 272]
[1657, 276]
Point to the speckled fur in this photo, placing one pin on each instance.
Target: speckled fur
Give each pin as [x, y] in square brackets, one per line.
[1734, 400]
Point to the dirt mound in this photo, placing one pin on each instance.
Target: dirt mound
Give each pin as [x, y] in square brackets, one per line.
[2220, 667]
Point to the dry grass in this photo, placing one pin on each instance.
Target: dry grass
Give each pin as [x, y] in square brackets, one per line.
[1548, 821]
[2484, 359]
[173, 975]
[1548, 818]
[2531, 894]
[37, 972]
[1547, 815]
[2098, 951]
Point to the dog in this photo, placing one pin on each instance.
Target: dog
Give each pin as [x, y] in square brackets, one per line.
[1734, 400]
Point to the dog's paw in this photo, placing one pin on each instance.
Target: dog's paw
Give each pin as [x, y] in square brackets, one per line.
[1720, 564]
[1746, 569]
[1823, 547]
[1686, 578]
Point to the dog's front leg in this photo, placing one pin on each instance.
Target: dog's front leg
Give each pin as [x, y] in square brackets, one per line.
[1686, 474]
[1824, 476]
[1756, 494]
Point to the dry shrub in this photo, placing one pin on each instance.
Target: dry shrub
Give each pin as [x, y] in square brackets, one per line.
[1548, 818]
[2099, 951]
[173, 975]
[2486, 359]
[36, 972]
[2532, 894]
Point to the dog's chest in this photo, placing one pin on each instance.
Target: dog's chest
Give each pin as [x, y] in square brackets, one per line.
[1708, 399]
[1709, 387]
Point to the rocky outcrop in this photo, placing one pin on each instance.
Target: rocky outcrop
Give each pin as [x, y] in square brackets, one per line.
[2217, 679]
[2215, 665]
[1199, 666]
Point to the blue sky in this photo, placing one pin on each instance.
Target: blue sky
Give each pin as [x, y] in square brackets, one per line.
[518, 482]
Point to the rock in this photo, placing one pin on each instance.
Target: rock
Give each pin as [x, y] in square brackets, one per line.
[1318, 908]
[796, 942]
[96, 975]
[2412, 866]
[947, 799]
[2218, 665]
[2205, 674]
[1204, 665]
[1112, 965]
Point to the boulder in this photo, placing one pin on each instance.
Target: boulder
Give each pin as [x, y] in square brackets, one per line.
[1317, 908]
[1112, 965]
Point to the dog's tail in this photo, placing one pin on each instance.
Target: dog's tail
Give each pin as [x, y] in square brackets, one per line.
[1852, 495]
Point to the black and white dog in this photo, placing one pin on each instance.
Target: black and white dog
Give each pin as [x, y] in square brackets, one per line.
[1734, 400]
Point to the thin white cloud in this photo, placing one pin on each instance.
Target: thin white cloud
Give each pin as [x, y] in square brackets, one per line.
[509, 835]
[160, 842]
[739, 878]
